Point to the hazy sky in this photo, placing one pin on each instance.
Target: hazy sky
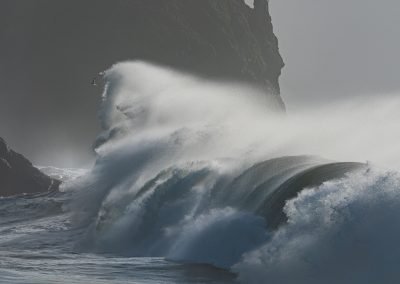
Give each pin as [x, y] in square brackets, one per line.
[337, 49]
[333, 50]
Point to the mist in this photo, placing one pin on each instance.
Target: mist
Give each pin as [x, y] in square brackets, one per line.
[337, 50]
[173, 177]
[189, 150]
[229, 120]
[333, 50]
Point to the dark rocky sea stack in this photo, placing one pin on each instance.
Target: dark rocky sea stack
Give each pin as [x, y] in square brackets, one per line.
[53, 53]
[71, 41]
[220, 39]
[19, 176]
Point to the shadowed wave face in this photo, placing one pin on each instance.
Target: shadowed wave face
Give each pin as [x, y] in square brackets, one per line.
[210, 172]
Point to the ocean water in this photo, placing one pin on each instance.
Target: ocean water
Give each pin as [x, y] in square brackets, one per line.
[105, 269]
[38, 245]
[205, 182]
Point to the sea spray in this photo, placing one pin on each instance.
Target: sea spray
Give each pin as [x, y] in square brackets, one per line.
[344, 231]
[189, 169]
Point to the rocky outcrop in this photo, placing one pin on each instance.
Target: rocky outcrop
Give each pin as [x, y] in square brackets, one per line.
[19, 176]
[224, 38]
[217, 38]
[53, 50]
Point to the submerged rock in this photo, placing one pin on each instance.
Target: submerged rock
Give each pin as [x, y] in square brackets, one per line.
[19, 176]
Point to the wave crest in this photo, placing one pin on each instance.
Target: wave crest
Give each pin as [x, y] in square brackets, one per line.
[344, 231]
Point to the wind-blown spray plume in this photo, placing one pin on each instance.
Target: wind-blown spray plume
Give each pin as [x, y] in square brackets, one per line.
[202, 171]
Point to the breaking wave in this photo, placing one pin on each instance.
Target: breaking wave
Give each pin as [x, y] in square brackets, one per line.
[344, 231]
[208, 172]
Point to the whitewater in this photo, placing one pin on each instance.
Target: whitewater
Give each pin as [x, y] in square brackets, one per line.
[201, 181]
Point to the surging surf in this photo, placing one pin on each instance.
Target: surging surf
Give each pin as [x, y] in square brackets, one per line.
[202, 172]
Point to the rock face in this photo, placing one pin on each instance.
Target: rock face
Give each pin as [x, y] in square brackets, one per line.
[224, 38]
[19, 176]
[216, 38]
[53, 49]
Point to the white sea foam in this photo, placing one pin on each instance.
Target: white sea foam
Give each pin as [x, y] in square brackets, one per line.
[192, 118]
[165, 180]
[249, 3]
[344, 231]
